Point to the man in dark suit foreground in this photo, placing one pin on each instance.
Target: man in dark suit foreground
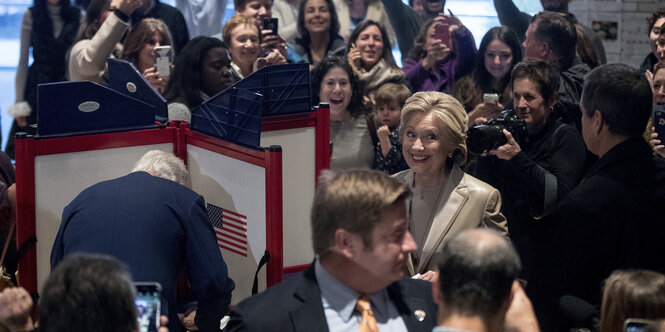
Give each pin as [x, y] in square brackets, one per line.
[150, 221]
[613, 219]
[360, 236]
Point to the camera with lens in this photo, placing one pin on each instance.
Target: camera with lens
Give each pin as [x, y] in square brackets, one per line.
[489, 136]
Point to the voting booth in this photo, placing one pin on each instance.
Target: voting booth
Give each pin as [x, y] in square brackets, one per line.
[263, 194]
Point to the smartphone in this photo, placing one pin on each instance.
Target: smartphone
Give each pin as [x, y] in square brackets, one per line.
[636, 325]
[148, 304]
[270, 24]
[163, 60]
[442, 33]
[491, 98]
[659, 124]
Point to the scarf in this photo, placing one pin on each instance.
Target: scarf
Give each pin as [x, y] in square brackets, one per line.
[379, 74]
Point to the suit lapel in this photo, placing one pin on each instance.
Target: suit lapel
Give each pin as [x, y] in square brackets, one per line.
[309, 316]
[450, 203]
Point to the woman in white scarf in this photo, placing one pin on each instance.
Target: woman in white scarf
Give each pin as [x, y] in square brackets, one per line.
[369, 54]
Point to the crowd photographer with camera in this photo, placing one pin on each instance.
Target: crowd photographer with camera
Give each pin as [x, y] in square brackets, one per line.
[531, 157]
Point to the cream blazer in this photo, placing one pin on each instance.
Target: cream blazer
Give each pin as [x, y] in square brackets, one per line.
[375, 12]
[464, 203]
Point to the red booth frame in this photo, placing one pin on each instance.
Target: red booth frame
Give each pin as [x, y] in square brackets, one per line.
[27, 148]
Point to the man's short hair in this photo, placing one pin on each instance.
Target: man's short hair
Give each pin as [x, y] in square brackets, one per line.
[88, 293]
[476, 272]
[558, 31]
[354, 200]
[622, 95]
[545, 75]
[240, 4]
[164, 165]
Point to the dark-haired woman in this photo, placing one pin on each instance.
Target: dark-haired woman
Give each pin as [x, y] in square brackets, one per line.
[334, 82]
[319, 30]
[432, 65]
[201, 70]
[49, 28]
[370, 55]
[499, 52]
[105, 23]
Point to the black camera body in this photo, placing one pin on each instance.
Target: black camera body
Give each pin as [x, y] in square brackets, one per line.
[489, 136]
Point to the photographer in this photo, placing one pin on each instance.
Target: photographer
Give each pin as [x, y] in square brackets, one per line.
[533, 170]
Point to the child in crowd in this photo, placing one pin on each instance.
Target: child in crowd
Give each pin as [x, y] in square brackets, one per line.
[388, 156]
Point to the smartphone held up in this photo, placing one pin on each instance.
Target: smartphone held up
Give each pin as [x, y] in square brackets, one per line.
[148, 305]
[163, 60]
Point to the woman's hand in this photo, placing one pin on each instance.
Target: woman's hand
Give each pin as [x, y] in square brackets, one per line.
[508, 150]
[428, 276]
[275, 57]
[163, 320]
[484, 110]
[354, 59]
[436, 52]
[127, 7]
[155, 80]
[15, 306]
[658, 147]
[272, 42]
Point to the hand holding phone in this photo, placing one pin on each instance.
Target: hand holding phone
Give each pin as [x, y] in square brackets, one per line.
[163, 60]
[148, 304]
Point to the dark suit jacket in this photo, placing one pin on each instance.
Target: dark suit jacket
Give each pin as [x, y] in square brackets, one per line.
[612, 220]
[295, 305]
[157, 227]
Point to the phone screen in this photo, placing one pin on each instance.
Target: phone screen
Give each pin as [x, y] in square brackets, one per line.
[270, 24]
[148, 305]
[163, 60]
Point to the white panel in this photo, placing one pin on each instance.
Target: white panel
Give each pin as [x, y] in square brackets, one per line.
[240, 187]
[61, 177]
[298, 185]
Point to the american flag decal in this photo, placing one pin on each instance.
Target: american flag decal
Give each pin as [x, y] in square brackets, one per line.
[230, 228]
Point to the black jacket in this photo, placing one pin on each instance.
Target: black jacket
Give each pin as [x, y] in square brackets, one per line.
[612, 220]
[295, 305]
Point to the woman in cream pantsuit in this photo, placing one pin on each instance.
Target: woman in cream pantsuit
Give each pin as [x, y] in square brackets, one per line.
[445, 200]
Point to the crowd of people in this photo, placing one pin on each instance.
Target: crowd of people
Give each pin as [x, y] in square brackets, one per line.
[507, 180]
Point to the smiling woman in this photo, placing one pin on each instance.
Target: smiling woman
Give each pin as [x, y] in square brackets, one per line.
[369, 54]
[498, 53]
[319, 30]
[445, 200]
[334, 82]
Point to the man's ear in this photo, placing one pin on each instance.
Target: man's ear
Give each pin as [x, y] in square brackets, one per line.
[545, 51]
[506, 303]
[597, 121]
[553, 99]
[346, 243]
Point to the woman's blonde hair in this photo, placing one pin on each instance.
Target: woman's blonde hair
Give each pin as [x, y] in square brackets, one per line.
[632, 294]
[448, 114]
[236, 21]
[141, 35]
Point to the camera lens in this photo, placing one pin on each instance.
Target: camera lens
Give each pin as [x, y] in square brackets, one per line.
[483, 138]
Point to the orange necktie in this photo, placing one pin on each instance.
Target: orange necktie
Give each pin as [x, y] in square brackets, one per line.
[368, 322]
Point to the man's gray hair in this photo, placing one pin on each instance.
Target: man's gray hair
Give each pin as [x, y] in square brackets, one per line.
[164, 165]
